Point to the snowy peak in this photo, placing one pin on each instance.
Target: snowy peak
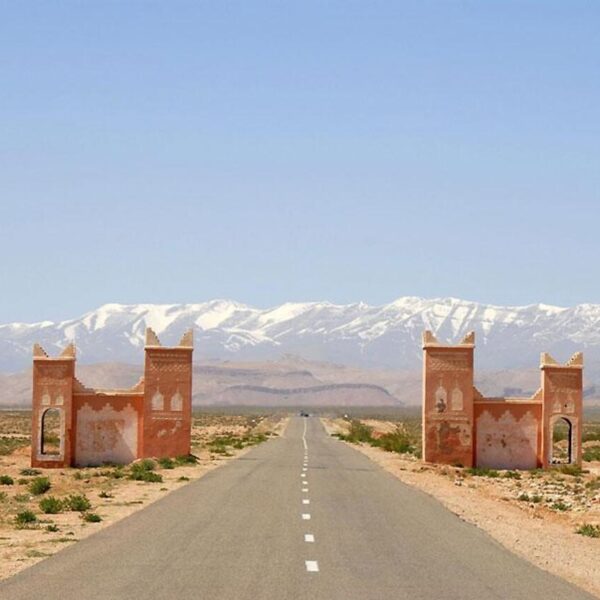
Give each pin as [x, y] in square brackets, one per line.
[356, 334]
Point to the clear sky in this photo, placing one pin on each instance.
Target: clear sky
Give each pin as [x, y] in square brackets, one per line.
[312, 150]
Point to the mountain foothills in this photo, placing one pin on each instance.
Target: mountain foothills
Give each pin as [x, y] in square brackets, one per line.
[380, 346]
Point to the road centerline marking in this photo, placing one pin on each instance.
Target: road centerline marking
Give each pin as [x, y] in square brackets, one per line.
[305, 516]
[312, 566]
[304, 437]
[306, 501]
[309, 537]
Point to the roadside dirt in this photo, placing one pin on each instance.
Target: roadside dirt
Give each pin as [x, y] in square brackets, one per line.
[112, 495]
[540, 528]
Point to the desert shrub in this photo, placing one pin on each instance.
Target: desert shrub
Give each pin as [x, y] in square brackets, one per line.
[166, 463]
[25, 517]
[9, 444]
[398, 441]
[22, 481]
[30, 472]
[52, 528]
[144, 471]
[511, 475]
[186, 459]
[6, 480]
[573, 470]
[591, 454]
[90, 517]
[183, 478]
[104, 494]
[359, 432]
[560, 506]
[483, 472]
[593, 485]
[77, 502]
[39, 485]
[524, 497]
[589, 530]
[3, 496]
[51, 505]
[22, 497]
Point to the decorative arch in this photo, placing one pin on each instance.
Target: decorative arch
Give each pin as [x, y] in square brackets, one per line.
[51, 432]
[562, 440]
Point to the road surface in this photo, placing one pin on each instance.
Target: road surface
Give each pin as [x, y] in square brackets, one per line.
[303, 516]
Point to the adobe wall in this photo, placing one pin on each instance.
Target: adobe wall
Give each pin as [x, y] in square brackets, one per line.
[448, 401]
[107, 428]
[167, 398]
[562, 387]
[152, 419]
[460, 426]
[507, 434]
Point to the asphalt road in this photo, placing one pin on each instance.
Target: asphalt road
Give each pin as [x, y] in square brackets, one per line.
[244, 532]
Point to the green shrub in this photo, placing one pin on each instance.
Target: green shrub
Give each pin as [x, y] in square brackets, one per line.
[39, 485]
[144, 471]
[483, 472]
[589, 530]
[6, 480]
[90, 517]
[51, 505]
[591, 454]
[104, 494]
[25, 517]
[560, 506]
[30, 472]
[166, 463]
[399, 442]
[573, 470]
[186, 459]
[511, 475]
[77, 502]
[52, 528]
[359, 432]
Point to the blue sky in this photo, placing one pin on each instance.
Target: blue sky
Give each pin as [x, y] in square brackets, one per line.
[272, 151]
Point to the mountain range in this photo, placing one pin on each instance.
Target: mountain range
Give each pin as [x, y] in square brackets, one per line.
[359, 335]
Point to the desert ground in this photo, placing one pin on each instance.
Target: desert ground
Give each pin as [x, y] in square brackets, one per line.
[42, 512]
[551, 517]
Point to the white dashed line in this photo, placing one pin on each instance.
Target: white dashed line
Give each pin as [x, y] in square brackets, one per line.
[305, 501]
[303, 475]
[304, 469]
[305, 516]
[305, 490]
[304, 437]
[309, 537]
[312, 566]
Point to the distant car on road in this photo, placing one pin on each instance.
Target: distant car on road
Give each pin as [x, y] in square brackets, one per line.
[303, 413]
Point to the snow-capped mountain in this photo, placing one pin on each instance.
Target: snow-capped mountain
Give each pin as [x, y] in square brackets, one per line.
[355, 334]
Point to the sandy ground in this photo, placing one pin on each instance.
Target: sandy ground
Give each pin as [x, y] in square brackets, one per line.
[111, 498]
[543, 535]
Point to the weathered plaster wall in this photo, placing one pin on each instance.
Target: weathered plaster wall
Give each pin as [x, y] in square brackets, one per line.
[507, 435]
[563, 399]
[168, 401]
[52, 388]
[448, 403]
[107, 429]
[152, 419]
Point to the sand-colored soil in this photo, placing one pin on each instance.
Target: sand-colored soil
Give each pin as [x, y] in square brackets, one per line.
[111, 498]
[542, 532]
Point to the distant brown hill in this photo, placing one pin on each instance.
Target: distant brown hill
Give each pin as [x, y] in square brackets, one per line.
[290, 381]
